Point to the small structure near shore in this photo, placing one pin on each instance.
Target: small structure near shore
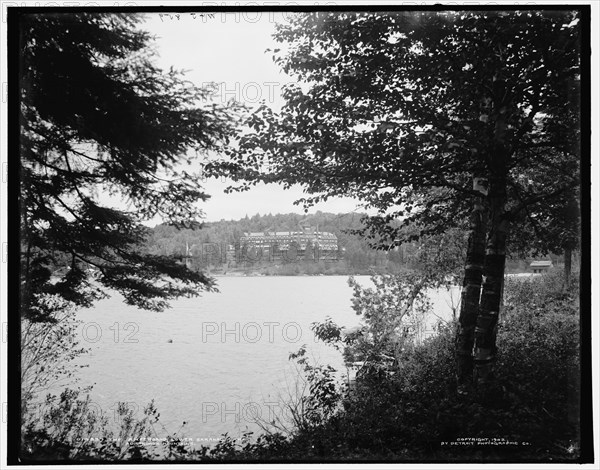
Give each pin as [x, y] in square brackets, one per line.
[540, 266]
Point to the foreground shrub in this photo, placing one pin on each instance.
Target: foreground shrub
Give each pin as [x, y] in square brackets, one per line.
[529, 411]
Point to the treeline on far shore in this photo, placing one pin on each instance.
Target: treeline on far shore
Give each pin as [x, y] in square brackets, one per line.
[217, 248]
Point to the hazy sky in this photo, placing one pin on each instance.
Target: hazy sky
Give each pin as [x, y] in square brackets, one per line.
[230, 49]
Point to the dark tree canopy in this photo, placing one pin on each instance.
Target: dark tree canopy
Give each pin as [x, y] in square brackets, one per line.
[402, 110]
[98, 119]
[437, 120]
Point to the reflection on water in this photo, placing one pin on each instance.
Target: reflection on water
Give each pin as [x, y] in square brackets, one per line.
[219, 360]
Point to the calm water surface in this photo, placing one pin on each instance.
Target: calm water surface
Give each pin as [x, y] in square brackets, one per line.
[219, 360]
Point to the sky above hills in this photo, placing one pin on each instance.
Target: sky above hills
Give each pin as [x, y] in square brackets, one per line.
[229, 50]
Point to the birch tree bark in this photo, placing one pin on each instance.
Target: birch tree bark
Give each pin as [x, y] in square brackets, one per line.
[493, 273]
[469, 306]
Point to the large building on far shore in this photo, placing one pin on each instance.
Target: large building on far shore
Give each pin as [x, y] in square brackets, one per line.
[322, 243]
[308, 243]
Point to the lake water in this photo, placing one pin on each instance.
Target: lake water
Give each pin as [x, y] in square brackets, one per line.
[219, 360]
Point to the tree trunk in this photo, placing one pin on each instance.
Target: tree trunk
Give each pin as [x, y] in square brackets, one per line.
[568, 263]
[471, 292]
[493, 282]
[571, 215]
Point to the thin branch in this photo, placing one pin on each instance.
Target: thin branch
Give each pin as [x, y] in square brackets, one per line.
[532, 200]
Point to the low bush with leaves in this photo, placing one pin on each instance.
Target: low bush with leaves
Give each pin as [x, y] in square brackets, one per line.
[531, 406]
[48, 347]
[72, 428]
